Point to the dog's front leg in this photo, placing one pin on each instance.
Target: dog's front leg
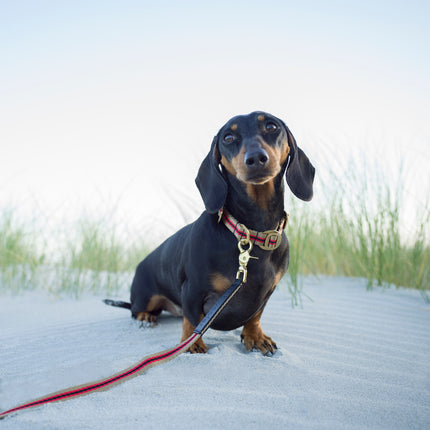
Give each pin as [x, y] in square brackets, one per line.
[187, 330]
[253, 336]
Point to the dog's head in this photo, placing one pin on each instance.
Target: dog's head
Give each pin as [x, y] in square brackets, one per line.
[254, 148]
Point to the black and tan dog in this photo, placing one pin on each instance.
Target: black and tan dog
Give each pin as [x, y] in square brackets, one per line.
[241, 182]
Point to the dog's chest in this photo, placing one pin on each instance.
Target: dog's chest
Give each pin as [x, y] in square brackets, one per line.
[261, 282]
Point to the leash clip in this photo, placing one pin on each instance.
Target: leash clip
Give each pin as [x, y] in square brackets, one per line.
[244, 255]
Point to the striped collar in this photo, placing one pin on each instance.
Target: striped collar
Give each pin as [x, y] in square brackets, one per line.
[267, 240]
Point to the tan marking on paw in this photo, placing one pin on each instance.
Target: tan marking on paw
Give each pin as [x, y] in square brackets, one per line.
[198, 347]
[147, 317]
[254, 338]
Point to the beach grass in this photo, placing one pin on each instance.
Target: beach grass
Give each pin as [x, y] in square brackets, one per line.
[101, 258]
[89, 256]
[359, 232]
[19, 254]
[356, 230]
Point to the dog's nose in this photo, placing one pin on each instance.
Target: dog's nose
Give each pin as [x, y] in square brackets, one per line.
[256, 158]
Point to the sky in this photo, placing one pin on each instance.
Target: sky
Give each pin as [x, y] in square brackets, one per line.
[114, 104]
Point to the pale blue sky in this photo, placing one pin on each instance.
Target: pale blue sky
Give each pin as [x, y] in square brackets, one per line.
[101, 98]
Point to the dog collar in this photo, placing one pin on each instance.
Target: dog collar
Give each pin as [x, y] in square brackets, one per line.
[267, 240]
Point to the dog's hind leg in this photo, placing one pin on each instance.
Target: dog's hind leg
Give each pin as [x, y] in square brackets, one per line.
[147, 302]
[143, 289]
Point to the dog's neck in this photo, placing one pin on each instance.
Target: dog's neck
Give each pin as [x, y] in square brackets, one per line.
[259, 207]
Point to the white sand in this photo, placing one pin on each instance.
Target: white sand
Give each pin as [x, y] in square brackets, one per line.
[351, 359]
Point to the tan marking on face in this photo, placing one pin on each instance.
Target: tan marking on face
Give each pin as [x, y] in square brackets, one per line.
[187, 331]
[263, 189]
[233, 127]
[228, 165]
[261, 194]
[275, 155]
[285, 150]
[219, 282]
[260, 117]
[235, 164]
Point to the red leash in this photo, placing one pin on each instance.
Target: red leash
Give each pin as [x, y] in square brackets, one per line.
[137, 369]
[104, 384]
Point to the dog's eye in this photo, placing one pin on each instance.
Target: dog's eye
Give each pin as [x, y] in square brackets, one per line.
[228, 138]
[270, 127]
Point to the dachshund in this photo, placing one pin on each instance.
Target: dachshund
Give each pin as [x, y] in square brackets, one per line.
[241, 182]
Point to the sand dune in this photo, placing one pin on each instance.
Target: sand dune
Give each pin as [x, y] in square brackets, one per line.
[351, 359]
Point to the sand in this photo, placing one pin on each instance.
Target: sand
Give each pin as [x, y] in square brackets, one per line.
[349, 359]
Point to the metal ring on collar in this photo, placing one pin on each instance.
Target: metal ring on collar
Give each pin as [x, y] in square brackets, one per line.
[272, 241]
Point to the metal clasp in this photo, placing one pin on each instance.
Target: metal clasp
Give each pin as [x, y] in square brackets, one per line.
[244, 255]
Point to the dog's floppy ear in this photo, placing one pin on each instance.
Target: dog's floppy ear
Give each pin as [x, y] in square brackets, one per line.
[210, 182]
[300, 172]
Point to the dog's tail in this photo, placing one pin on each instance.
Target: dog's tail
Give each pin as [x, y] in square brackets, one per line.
[117, 303]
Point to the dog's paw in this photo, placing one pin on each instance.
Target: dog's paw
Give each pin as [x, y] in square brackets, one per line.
[198, 348]
[146, 319]
[258, 340]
